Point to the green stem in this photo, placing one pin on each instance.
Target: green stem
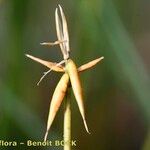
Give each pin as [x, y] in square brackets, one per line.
[67, 122]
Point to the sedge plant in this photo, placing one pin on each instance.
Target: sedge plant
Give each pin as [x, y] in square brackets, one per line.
[69, 80]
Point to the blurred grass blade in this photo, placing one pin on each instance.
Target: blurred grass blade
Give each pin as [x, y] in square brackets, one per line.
[127, 55]
[24, 117]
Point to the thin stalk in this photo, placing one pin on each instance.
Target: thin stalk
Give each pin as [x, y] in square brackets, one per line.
[67, 121]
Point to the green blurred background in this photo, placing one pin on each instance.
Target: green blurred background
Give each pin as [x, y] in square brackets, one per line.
[116, 91]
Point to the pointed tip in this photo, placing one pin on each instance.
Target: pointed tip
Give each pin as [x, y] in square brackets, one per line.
[56, 18]
[56, 10]
[46, 44]
[27, 55]
[102, 57]
[59, 6]
[45, 137]
[86, 127]
[99, 59]
[42, 43]
[62, 13]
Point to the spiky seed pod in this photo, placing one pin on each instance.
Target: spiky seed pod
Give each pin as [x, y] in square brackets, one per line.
[76, 86]
[50, 65]
[56, 101]
[89, 64]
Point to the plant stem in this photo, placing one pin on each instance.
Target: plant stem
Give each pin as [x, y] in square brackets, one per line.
[67, 121]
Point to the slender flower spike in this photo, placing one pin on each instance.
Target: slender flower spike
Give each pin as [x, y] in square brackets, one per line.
[70, 70]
